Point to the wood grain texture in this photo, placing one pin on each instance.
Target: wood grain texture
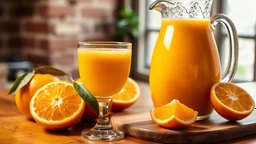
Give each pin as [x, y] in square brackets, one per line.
[17, 129]
[139, 124]
[135, 121]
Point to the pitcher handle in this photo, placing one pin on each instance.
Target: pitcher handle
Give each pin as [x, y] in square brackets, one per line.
[233, 45]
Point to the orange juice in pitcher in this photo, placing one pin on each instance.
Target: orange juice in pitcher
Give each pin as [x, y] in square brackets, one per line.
[185, 62]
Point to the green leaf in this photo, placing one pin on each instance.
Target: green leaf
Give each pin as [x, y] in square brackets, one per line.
[126, 13]
[50, 70]
[21, 81]
[134, 33]
[126, 25]
[134, 23]
[122, 23]
[86, 96]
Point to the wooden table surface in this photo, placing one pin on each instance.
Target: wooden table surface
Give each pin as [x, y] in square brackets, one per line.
[16, 129]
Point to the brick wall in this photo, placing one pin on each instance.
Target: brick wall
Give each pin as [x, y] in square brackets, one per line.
[46, 32]
[3, 76]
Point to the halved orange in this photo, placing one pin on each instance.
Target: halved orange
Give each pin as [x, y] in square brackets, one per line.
[173, 115]
[231, 101]
[126, 97]
[24, 94]
[57, 106]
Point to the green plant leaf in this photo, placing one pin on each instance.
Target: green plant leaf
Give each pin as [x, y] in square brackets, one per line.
[86, 96]
[134, 23]
[134, 33]
[21, 81]
[122, 24]
[126, 13]
[127, 25]
[50, 70]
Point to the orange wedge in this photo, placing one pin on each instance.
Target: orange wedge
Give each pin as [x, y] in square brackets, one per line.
[126, 97]
[57, 106]
[173, 115]
[231, 101]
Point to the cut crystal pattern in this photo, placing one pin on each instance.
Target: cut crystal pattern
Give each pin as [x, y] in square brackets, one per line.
[186, 9]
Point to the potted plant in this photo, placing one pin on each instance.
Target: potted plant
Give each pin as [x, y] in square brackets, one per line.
[126, 26]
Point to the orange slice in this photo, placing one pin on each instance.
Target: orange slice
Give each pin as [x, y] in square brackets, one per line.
[231, 101]
[57, 106]
[126, 97]
[173, 115]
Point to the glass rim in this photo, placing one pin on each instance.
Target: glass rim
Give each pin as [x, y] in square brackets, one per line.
[105, 43]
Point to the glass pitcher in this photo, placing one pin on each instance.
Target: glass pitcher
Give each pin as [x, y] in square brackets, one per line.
[185, 62]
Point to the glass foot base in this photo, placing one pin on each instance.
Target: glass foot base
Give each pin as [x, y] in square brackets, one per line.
[103, 135]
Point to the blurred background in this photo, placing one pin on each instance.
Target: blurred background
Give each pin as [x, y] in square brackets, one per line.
[45, 32]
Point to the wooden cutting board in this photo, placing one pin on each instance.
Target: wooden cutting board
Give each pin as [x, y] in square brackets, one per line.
[137, 123]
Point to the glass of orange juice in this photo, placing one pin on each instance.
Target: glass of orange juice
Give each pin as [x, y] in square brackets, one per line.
[104, 68]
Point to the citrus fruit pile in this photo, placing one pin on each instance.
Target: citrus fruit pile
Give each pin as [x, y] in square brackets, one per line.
[52, 103]
[229, 100]
[55, 104]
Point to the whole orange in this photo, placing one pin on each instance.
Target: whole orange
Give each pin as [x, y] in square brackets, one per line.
[24, 94]
[89, 114]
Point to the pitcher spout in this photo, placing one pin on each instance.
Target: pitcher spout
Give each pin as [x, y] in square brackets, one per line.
[158, 5]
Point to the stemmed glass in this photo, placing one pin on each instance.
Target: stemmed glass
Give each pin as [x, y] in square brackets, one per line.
[104, 68]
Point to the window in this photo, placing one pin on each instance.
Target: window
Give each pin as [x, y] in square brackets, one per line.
[242, 13]
[150, 23]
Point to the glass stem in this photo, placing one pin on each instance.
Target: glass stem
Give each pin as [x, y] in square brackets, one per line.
[103, 122]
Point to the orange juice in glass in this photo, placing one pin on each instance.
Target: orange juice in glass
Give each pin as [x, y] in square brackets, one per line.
[104, 71]
[185, 62]
[104, 68]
